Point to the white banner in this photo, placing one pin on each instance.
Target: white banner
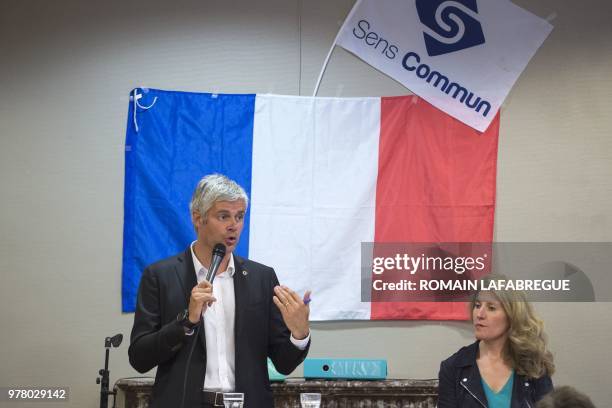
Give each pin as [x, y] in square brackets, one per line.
[462, 56]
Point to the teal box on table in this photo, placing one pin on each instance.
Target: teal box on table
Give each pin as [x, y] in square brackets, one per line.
[273, 374]
[350, 369]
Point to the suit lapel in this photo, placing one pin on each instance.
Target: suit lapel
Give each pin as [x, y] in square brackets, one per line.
[474, 384]
[186, 274]
[470, 375]
[241, 295]
[518, 391]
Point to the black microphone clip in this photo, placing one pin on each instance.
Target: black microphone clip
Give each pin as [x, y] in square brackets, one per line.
[114, 341]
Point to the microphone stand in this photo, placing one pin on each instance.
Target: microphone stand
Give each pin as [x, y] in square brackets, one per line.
[104, 380]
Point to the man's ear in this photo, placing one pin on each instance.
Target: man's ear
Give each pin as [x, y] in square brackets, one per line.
[197, 219]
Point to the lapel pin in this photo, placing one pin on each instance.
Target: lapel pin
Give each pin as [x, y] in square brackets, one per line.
[244, 273]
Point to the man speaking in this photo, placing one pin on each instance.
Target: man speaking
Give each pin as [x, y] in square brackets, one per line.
[209, 319]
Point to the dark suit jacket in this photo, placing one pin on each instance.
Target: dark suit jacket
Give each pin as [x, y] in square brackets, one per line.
[461, 386]
[159, 340]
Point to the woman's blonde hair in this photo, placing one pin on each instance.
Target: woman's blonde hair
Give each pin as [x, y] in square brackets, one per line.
[527, 349]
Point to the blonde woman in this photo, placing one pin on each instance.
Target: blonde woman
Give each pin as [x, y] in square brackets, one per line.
[509, 365]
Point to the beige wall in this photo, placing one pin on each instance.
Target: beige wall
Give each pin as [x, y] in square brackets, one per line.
[66, 68]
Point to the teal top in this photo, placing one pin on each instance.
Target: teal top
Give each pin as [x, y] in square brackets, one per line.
[501, 399]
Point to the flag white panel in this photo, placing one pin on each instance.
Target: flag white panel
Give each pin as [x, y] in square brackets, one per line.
[315, 165]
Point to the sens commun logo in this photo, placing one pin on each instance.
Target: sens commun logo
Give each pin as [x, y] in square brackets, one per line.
[450, 25]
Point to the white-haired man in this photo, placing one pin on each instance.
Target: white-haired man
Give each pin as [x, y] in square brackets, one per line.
[206, 339]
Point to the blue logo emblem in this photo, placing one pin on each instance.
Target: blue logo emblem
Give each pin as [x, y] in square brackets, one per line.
[450, 25]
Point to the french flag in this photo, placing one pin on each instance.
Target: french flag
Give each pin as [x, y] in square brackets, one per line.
[323, 175]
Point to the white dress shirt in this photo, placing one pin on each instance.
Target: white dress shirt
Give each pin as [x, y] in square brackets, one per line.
[219, 321]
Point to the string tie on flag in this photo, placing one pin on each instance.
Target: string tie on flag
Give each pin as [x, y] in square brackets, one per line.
[135, 97]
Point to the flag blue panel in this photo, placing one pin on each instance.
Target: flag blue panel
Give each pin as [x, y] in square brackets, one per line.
[174, 140]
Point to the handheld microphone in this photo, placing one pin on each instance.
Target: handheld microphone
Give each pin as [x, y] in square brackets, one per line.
[218, 253]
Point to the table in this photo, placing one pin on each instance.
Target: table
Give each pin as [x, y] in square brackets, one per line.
[400, 393]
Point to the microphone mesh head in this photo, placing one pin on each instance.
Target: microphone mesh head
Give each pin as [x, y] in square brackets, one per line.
[219, 250]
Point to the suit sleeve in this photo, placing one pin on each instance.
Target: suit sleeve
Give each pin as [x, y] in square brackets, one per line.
[446, 388]
[152, 343]
[284, 354]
